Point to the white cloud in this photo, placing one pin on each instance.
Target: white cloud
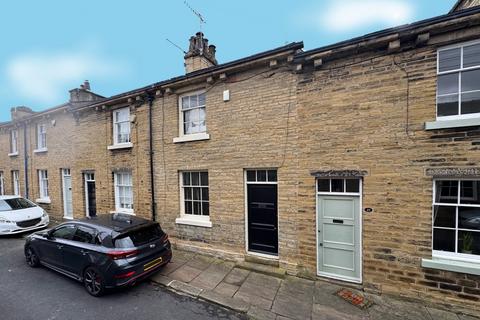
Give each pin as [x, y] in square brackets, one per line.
[44, 76]
[348, 15]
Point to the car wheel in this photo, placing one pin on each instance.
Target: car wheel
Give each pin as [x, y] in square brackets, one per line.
[32, 258]
[93, 281]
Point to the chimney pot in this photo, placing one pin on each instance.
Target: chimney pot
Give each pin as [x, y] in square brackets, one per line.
[200, 55]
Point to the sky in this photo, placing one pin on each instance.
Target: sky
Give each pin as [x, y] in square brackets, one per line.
[51, 46]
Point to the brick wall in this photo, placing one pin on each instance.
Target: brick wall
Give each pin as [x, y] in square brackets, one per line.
[370, 116]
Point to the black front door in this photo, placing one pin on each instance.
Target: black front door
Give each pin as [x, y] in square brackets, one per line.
[262, 218]
[92, 199]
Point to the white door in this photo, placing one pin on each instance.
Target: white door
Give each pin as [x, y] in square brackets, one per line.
[67, 194]
[339, 232]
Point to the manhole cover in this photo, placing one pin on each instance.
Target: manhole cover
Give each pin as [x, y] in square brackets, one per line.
[356, 299]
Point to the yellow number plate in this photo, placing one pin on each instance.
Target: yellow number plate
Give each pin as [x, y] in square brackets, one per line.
[152, 264]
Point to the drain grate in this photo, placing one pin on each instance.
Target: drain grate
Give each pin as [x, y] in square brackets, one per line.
[356, 299]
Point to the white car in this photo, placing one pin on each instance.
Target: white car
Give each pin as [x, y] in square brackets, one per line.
[18, 215]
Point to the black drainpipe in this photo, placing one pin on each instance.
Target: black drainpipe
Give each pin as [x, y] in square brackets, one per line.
[150, 99]
[25, 160]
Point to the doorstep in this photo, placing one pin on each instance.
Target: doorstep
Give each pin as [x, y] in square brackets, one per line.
[248, 288]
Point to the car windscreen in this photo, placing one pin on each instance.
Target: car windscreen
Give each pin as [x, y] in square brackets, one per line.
[15, 204]
[139, 237]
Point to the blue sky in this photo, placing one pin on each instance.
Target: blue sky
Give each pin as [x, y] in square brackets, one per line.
[49, 47]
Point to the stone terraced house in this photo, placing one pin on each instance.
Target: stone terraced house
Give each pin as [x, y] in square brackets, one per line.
[357, 162]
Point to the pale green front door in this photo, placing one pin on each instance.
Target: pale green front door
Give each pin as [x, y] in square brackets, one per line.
[338, 237]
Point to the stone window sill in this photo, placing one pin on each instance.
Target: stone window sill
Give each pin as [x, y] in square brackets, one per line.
[43, 200]
[452, 265]
[457, 123]
[192, 137]
[127, 145]
[41, 150]
[13, 154]
[194, 222]
[130, 212]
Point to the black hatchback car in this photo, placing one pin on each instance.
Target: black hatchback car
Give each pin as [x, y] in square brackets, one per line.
[107, 251]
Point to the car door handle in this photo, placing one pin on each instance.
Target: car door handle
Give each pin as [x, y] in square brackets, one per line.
[83, 252]
[59, 246]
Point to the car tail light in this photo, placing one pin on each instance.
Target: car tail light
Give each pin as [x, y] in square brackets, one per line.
[122, 254]
[124, 275]
[165, 238]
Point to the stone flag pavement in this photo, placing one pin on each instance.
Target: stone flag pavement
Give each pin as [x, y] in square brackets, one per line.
[268, 294]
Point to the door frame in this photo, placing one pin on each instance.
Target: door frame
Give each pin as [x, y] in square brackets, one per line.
[360, 226]
[246, 183]
[64, 170]
[85, 183]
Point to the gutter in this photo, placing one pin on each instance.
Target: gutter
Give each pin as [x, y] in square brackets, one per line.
[375, 36]
[153, 204]
[25, 160]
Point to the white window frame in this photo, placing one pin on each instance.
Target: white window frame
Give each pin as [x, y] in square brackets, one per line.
[43, 191]
[116, 143]
[445, 254]
[185, 137]
[460, 70]
[192, 219]
[13, 143]
[16, 182]
[118, 208]
[41, 138]
[2, 184]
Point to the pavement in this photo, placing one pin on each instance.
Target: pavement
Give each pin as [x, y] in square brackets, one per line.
[42, 294]
[266, 292]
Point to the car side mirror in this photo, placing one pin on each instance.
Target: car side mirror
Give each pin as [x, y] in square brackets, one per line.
[48, 235]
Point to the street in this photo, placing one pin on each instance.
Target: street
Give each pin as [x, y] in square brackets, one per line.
[41, 294]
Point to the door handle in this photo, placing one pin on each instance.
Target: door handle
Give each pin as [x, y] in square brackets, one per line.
[83, 252]
[320, 244]
[59, 246]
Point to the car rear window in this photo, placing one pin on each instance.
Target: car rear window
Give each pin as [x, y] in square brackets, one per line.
[15, 204]
[139, 237]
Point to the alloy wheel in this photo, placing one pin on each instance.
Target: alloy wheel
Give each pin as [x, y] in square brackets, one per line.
[31, 258]
[93, 282]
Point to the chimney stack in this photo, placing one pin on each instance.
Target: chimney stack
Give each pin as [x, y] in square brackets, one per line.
[20, 112]
[200, 55]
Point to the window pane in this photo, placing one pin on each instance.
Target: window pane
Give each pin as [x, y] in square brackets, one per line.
[205, 194]
[202, 127]
[206, 208]
[272, 175]
[448, 83]
[449, 59]
[204, 178]
[471, 56]
[187, 193]
[446, 191]
[261, 175]
[188, 207]
[196, 193]
[197, 208]
[201, 99]
[469, 218]
[187, 116]
[185, 102]
[444, 216]
[447, 105]
[337, 185]
[188, 128]
[352, 185]
[186, 178]
[471, 102]
[193, 101]
[323, 185]
[195, 178]
[201, 114]
[251, 176]
[470, 192]
[471, 80]
[469, 242]
[443, 240]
